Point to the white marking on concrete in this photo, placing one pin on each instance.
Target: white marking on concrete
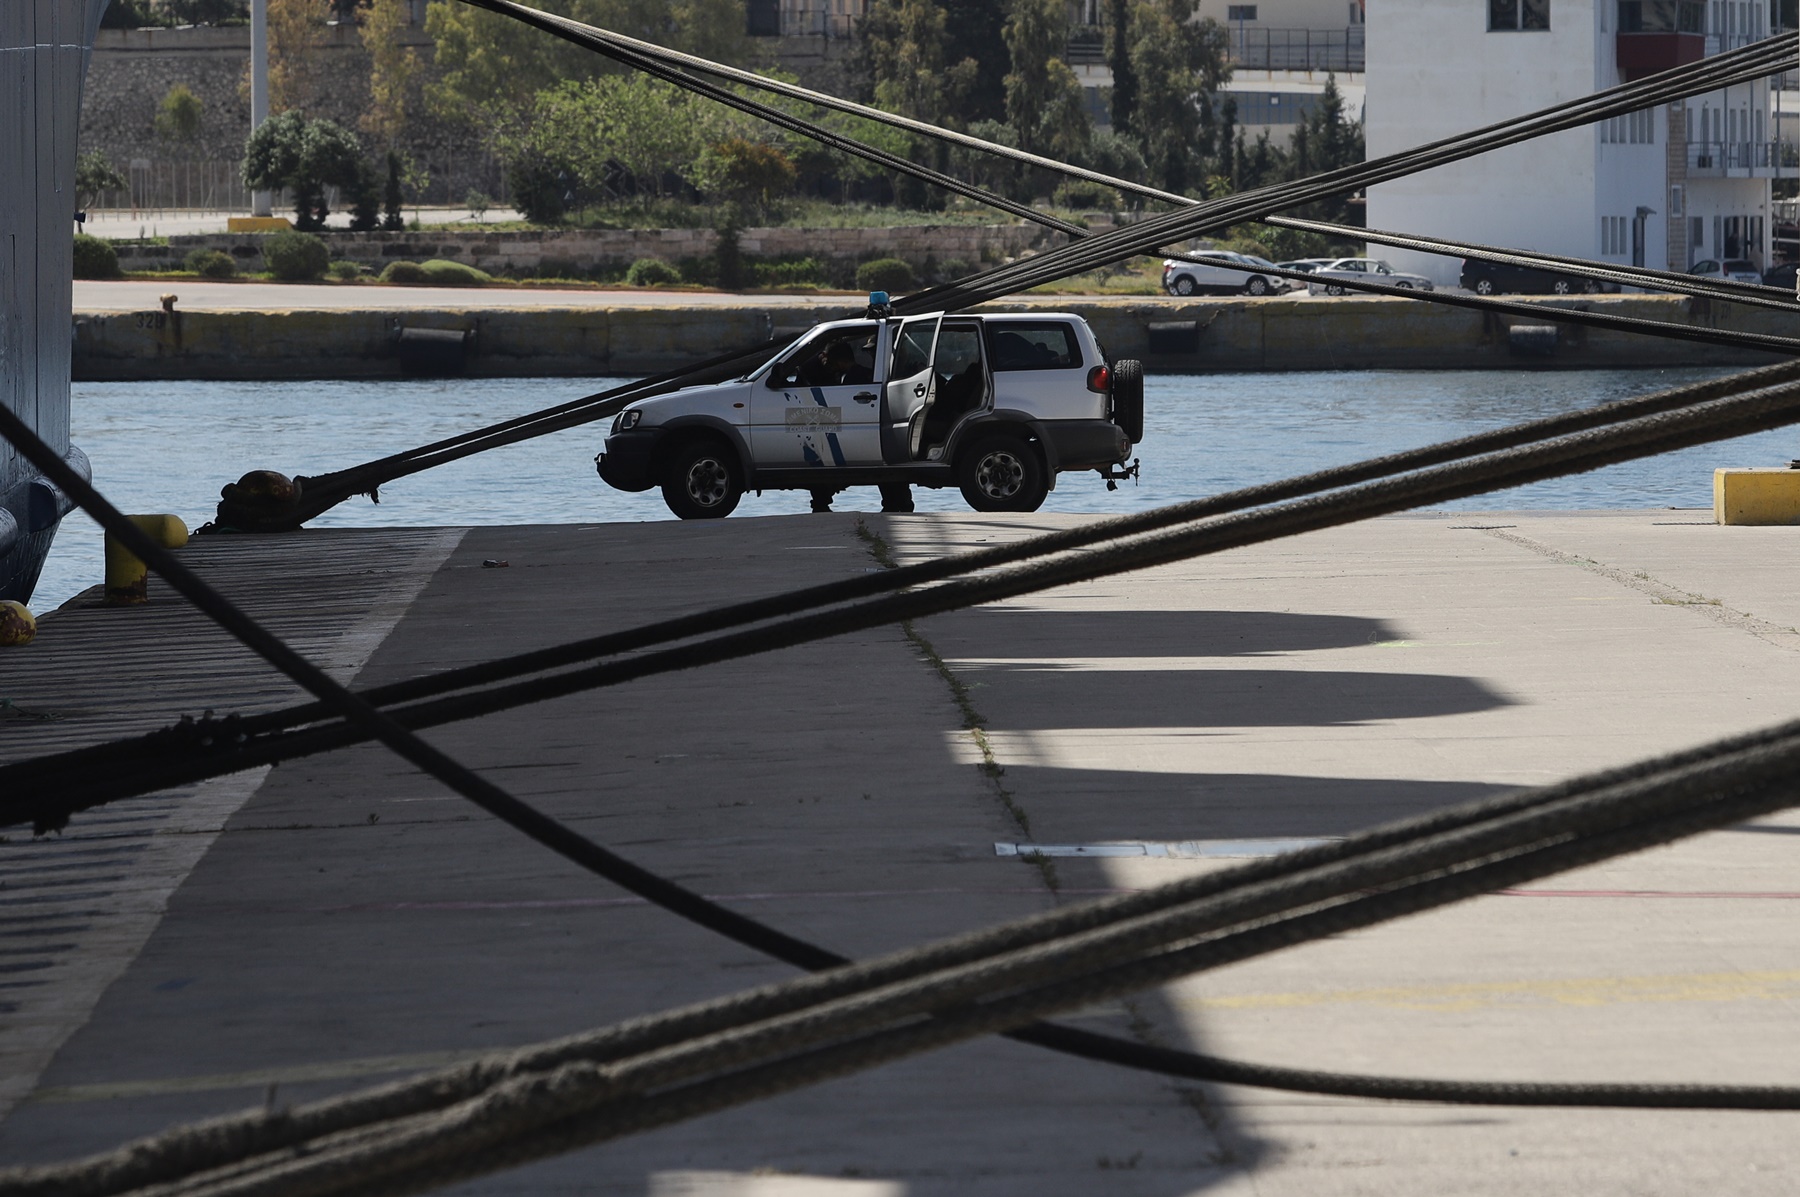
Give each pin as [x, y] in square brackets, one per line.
[1179, 850]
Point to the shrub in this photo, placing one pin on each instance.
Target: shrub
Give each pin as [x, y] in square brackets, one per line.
[453, 274]
[806, 272]
[1085, 196]
[652, 272]
[95, 257]
[295, 257]
[211, 263]
[403, 272]
[345, 270]
[884, 274]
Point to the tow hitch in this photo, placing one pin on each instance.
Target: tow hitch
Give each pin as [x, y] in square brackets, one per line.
[1117, 474]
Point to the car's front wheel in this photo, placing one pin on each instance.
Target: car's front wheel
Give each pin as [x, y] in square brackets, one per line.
[1258, 285]
[1333, 289]
[702, 480]
[999, 472]
[1483, 286]
[1403, 284]
[1564, 286]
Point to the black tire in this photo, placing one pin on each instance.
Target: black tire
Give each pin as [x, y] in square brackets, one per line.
[1128, 397]
[1484, 286]
[1258, 285]
[1333, 289]
[1001, 472]
[702, 480]
[1564, 286]
[1590, 286]
[1403, 284]
[1184, 285]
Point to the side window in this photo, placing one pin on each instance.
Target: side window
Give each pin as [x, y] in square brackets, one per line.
[1382, 268]
[836, 357]
[1021, 346]
[913, 351]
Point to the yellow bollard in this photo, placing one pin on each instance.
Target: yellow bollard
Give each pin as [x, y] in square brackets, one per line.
[1756, 496]
[127, 578]
[16, 624]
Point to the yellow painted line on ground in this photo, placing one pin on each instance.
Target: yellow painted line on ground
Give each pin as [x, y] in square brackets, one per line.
[1575, 991]
[259, 1078]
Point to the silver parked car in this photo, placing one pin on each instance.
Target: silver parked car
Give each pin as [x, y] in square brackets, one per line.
[1221, 272]
[1362, 270]
[1737, 270]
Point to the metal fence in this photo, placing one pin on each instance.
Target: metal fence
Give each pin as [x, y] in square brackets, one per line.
[1298, 49]
[166, 188]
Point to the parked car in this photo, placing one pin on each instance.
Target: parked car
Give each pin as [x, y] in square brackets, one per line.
[995, 405]
[1737, 270]
[1220, 272]
[1305, 265]
[1496, 278]
[1361, 270]
[1782, 275]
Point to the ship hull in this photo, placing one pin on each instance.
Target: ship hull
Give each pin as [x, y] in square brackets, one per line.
[45, 46]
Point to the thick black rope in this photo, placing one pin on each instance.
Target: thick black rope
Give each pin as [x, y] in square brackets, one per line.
[1261, 907]
[1140, 1060]
[46, 790]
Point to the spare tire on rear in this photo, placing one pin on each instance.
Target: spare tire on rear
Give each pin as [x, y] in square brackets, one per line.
[1128, 397]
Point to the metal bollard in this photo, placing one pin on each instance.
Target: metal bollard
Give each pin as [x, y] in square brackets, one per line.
[127, 578]
[17, 627]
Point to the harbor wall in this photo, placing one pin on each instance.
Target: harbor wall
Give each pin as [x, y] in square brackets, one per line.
[1170, 336]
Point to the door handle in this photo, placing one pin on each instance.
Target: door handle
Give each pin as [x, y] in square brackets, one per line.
[864, 396]
[919, 391]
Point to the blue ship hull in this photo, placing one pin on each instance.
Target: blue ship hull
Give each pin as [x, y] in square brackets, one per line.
[45, 46]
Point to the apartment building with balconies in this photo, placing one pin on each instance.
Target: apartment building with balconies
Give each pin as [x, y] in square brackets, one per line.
[1664, 187]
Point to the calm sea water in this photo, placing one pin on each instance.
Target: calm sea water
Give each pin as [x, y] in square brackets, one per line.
[168, 447]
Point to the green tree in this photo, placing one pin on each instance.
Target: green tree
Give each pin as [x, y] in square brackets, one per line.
[392, 68]
[580, 136]
[1118, 60]
[307, 157]
[903, 62]
[489, 65]
[751, 173]
[1177, 61]
[1043, 96]
[178, 116]
[975, 29]
[95, 173]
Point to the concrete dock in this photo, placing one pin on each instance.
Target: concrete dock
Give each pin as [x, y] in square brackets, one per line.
[280, 935]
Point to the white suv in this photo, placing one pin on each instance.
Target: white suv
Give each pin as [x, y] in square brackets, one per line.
[1221, 272]
[995, 405]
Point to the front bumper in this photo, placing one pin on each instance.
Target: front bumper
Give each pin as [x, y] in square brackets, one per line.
[627, 460]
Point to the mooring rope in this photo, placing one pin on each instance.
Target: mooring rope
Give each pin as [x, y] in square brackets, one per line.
[510, 1107]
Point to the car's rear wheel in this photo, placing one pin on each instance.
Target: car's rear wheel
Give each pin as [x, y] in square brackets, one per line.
[1564, 286]
[1333, 289]
[702, 480]
[1483, 286]
[1258, 285]
[1000, 472]
[1184, 286]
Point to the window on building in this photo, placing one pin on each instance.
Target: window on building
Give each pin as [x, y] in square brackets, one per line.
[1506, 15]
[1634, 128]
[1662, 16]
[1696, 236]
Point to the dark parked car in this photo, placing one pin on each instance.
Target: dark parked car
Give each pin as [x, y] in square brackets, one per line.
[1493, 278]
[1782, 275]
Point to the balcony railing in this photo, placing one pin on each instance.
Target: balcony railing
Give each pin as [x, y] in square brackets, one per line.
[1724, 159]
[1087, 46]
[1298, 49]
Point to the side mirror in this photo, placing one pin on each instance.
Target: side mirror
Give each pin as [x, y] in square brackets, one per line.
[783, 376]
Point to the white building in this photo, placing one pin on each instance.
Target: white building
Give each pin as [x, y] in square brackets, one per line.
[1666, 187]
